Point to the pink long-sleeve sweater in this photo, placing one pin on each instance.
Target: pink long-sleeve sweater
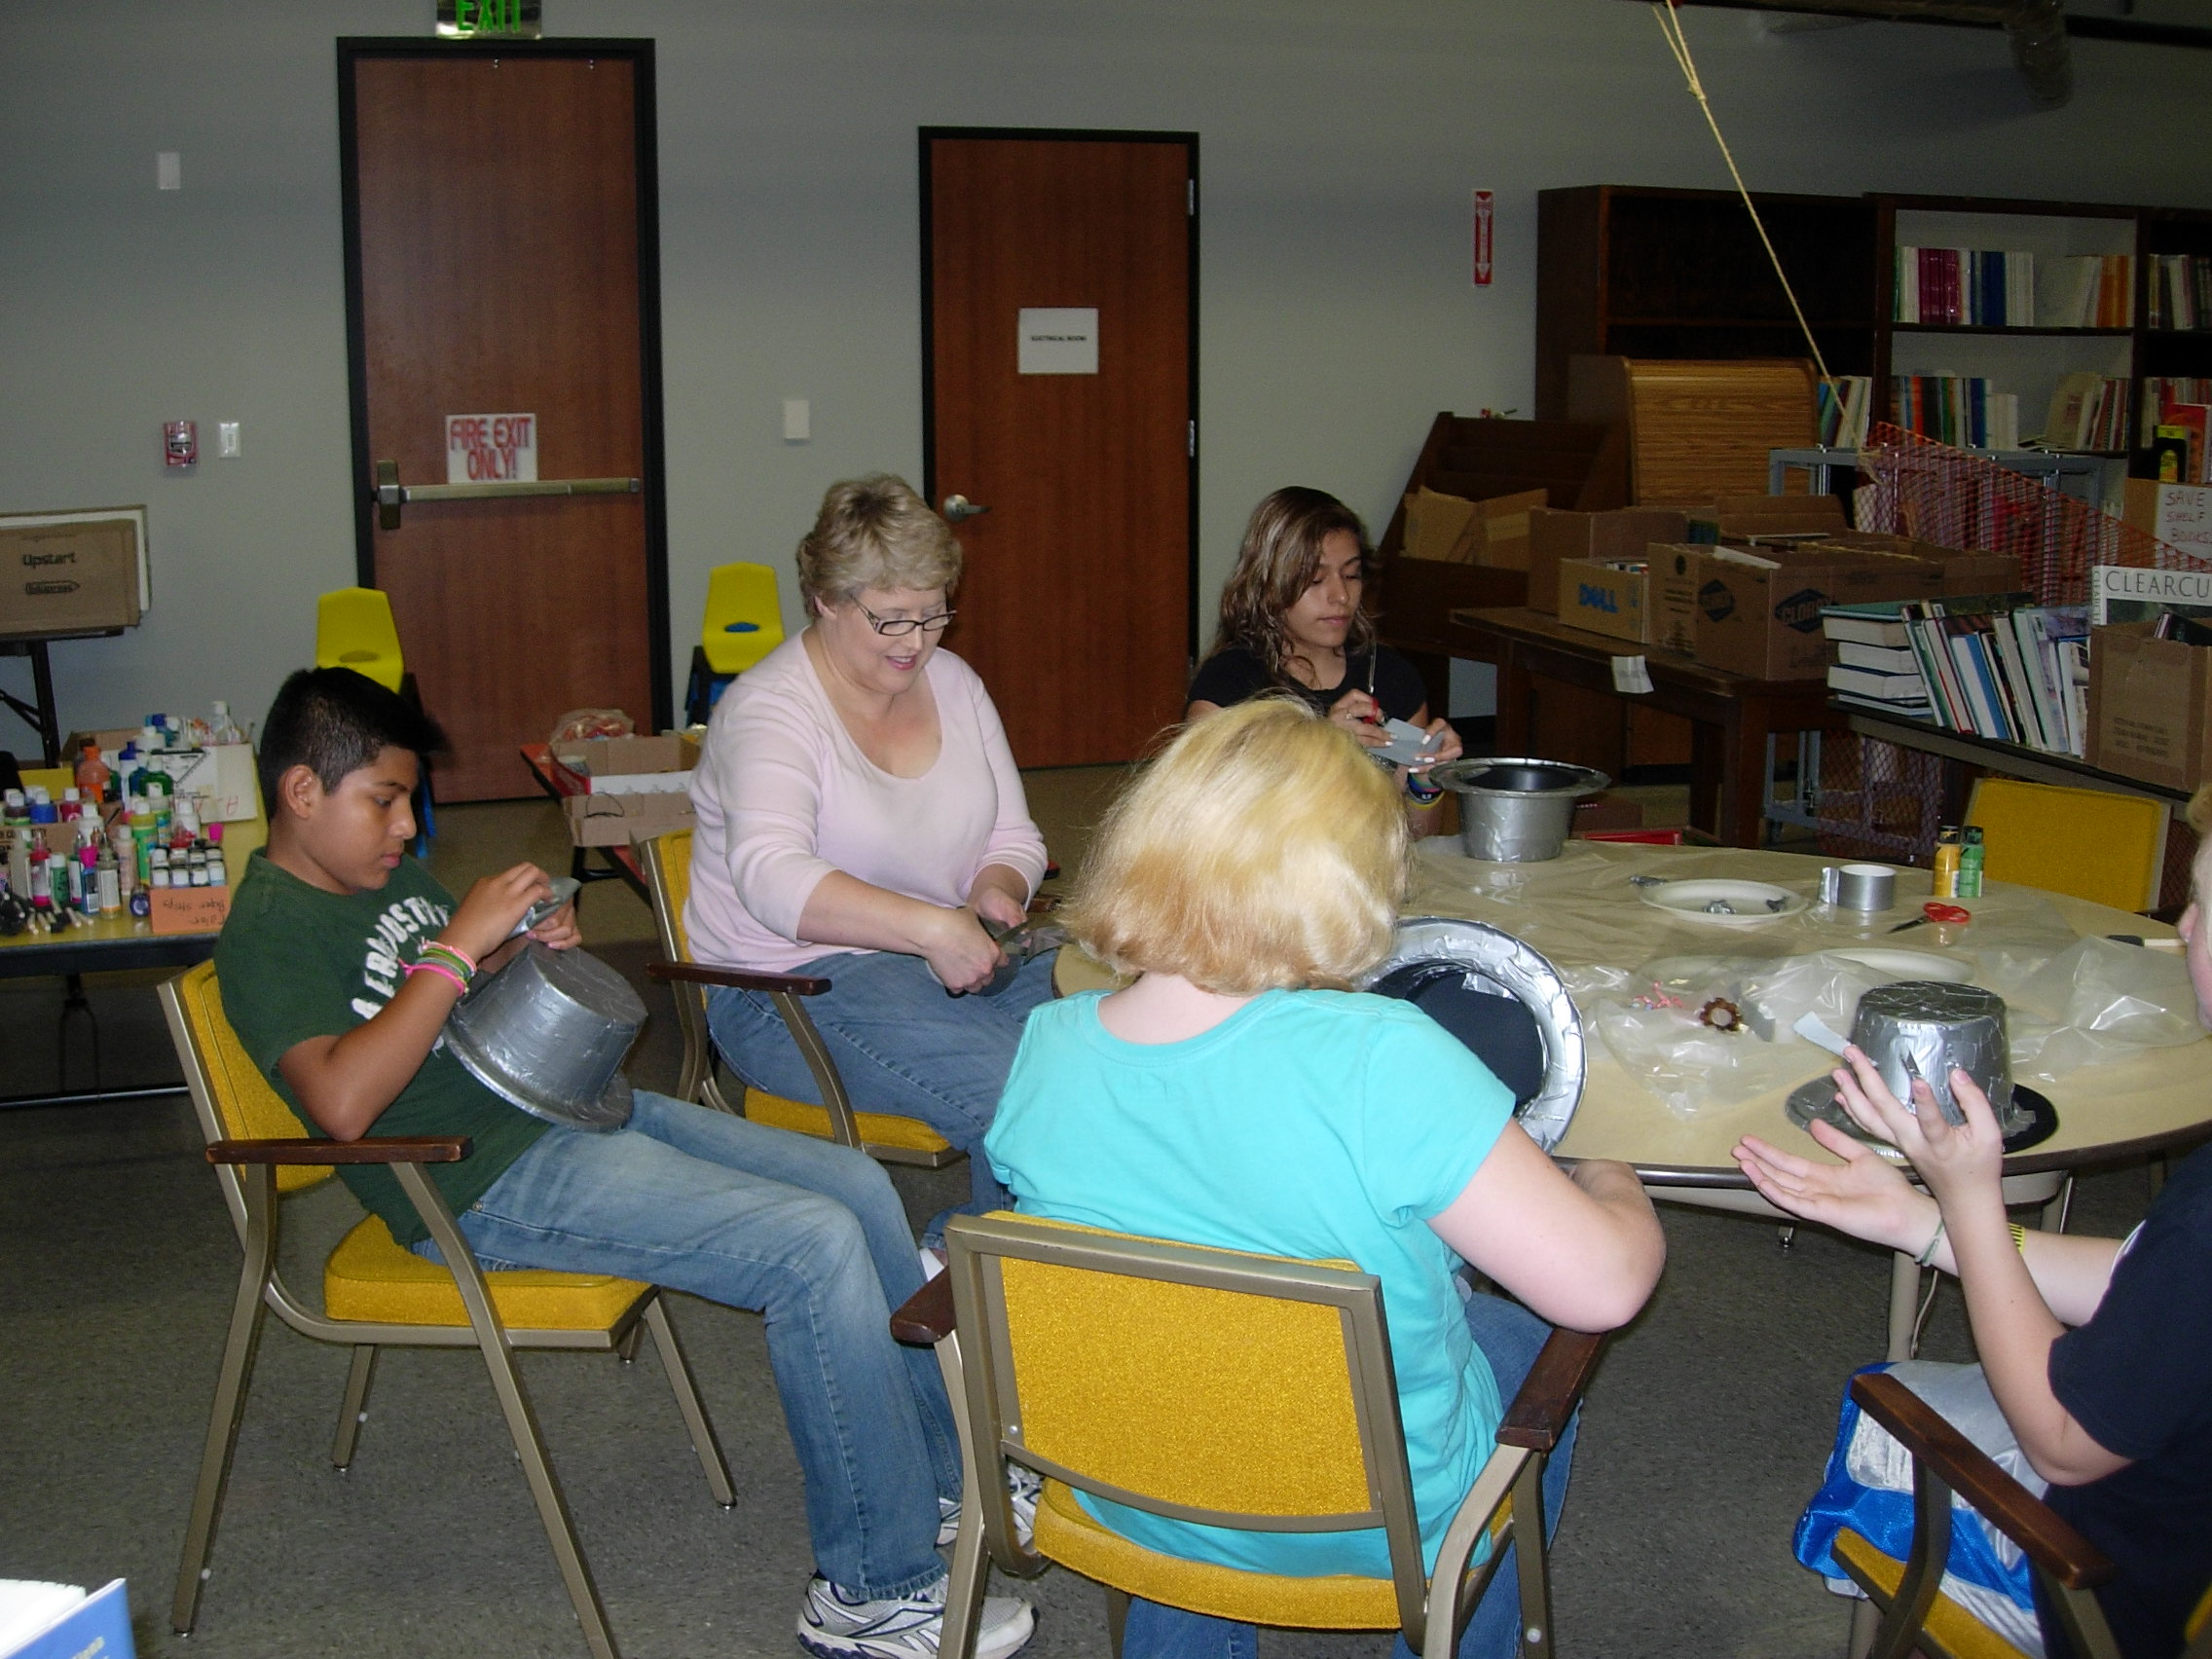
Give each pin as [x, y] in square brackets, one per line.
[783, 797]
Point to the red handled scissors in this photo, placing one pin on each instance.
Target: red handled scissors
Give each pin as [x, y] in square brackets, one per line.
[1948, 915]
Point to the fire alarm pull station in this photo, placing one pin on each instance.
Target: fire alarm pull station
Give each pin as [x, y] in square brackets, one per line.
[180, 442]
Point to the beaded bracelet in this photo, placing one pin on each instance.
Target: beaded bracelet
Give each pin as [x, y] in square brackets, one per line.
[428, 966]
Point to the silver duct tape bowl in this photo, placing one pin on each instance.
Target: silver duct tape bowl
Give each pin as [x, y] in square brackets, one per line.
[1505, 1000]
[1514, 809]
[1929, 1028]
[549, 1033]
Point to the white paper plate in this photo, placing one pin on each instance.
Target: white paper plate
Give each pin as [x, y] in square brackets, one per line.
[1752, 901]
[1909, 964]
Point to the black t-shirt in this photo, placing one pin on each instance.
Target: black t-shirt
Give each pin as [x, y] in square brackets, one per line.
[2138, 1377]
[1233, 674]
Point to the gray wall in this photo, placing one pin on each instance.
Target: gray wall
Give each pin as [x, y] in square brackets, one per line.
[1339, 144]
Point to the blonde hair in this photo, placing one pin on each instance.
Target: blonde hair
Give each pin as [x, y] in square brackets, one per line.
[1262, 849]
[875, 533]
[1281, 557]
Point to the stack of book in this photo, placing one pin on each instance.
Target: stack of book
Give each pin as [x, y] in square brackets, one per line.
[1955, 409]
[1995, 667]
[1847, 404]
[2089, 411]
[1964, 286]
[2179, 290]
[2184, 401]
[2086, 291]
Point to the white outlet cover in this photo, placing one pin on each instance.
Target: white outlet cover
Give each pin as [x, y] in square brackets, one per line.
[798, 420]
[169, 169]
[227, 446]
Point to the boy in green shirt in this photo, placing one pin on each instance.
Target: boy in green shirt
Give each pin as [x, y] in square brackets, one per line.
[338, 965]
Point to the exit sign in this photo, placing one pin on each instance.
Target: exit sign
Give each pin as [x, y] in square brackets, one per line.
[489, 20]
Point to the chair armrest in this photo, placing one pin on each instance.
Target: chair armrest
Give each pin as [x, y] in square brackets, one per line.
[926, 1316]
[1539, 1414]
[737, 979]
[381, 1148]
[1969, 1471]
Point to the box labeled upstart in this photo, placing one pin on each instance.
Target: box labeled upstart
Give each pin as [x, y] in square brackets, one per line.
[76, 573]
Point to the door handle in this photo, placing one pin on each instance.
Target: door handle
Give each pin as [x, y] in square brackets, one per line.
[958, 509]
[390, 495]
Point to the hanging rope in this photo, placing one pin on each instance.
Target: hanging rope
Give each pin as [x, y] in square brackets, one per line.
[1678, 43]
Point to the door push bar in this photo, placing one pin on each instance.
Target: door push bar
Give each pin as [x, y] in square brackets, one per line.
[390, 495]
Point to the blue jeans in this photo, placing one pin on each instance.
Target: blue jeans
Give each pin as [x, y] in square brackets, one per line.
[808, 1234]
[901, 1045]
[1509, 1336]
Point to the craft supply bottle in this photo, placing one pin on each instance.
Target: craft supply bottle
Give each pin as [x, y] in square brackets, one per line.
[142, 836]
[222, 729]
[195, 865]
[1970, 860]
[93, 773]
[108, 876]
[218, 873]
[72, 805]
[160, 861]
[1947, 844]
[41, 884]
[20, 862]
[84, 882]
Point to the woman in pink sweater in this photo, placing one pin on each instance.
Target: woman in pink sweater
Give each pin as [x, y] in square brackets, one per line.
[860, 818]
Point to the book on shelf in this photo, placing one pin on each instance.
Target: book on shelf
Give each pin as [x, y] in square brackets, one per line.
[1846, 406]
[2086, 291]
[1995, 666]
[1973, 288]
[2089, 411]
[2178, 291]
[2131, 593]
[2180, 400]
[1959, 410]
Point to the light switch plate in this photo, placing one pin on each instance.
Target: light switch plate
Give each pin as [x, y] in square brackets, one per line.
[227, 447]
[169, 169]
[798, 420]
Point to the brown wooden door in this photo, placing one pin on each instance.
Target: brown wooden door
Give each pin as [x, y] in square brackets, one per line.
[502, 259]
[1076, 608]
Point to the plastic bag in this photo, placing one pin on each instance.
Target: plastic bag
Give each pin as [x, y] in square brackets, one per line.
[582, 726]
[2095, 1002]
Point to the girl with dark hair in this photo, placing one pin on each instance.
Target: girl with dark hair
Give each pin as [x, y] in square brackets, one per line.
[1292, 621]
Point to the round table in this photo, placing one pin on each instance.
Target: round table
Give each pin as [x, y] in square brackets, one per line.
[1583, 912]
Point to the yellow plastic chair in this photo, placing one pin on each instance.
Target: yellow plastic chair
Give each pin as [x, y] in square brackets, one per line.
[354, 629]
[376, 1294]
[882, 1135]
[1212, 1385]
[1915, 1614]
[2090, 843]
[743, 619]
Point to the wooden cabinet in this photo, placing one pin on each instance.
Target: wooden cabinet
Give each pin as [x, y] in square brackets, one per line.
[1632, 271]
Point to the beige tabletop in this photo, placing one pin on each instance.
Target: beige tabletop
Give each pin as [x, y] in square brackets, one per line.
[1582, 912]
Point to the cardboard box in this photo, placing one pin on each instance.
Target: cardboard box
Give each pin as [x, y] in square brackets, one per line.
[1966, 570]
[1758, 613]
[2178, 514]
[2147, 713]
[1452, 530]
[1606, 598]
[1672, 597]
[1625, 532]
[630, 765]
[77, 572]
[1742, 517]
[618, 820]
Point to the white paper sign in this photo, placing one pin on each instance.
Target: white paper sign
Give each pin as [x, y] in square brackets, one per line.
[1058, 340]
[491, 449]
[2185, 518]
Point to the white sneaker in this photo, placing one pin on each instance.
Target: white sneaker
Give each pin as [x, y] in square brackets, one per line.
[1023, 1485]
[904, 1627]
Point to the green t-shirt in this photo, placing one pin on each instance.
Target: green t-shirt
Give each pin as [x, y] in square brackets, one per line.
[296, 962]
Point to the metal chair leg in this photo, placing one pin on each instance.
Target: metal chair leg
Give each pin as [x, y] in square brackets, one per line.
[354, 1411]
[1117, 1617]
[963, 1593]
[514, 1405]
[1530, 1557]
[2061, 1207]
[626, 1349]
[695, 1421]
[231, 1380]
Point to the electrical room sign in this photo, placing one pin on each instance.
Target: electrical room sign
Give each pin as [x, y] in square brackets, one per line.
[491, 449]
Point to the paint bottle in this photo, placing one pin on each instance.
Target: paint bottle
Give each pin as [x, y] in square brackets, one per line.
[1970, 860]
[1947, 876]
[159, 858]
[108, 877]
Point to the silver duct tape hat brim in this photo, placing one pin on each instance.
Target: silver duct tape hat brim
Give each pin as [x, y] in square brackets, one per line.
[548, 1035]
[1499, 963]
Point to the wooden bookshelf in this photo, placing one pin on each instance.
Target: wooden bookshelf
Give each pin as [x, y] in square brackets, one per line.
[1635, 272]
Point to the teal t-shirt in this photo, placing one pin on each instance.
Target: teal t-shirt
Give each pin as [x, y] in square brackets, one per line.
[1318, 1125]
[295, 962]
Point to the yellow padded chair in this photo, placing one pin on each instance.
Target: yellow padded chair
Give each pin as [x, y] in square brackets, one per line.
[2090, 843]
[743, 619]
[377, 1294]
[1218, 1386]
[354, 629]
[1914, 1614]
[882, 1135]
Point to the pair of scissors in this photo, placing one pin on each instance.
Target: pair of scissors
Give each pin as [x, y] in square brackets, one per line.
[1934, 910]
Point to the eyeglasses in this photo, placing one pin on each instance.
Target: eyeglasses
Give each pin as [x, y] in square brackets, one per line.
[898, 627]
